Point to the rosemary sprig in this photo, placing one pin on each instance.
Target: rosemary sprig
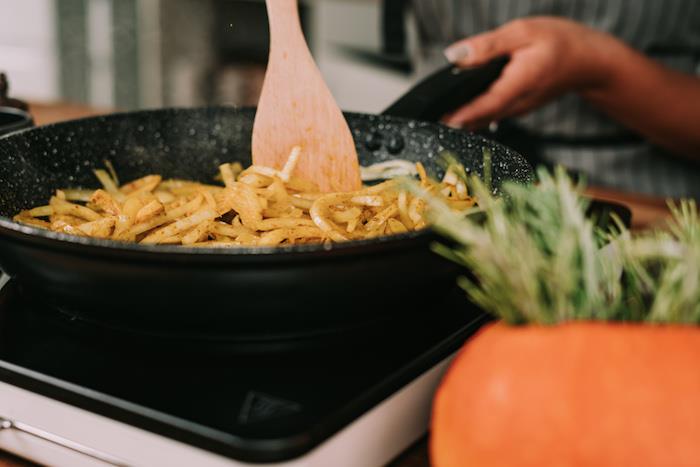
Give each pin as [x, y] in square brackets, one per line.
[536, 258]
[663, 269]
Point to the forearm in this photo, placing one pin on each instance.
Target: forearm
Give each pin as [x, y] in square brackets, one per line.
[659, 103]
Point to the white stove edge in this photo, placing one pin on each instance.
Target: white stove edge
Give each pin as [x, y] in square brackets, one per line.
[374, 439]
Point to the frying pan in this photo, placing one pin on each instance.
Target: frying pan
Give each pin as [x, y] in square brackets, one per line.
[241, 293]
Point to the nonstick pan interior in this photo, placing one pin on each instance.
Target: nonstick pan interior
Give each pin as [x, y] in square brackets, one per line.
[191, 143]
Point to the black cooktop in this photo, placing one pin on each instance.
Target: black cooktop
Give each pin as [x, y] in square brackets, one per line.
[264, 405]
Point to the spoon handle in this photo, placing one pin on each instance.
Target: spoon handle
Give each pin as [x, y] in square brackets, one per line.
[285, 26]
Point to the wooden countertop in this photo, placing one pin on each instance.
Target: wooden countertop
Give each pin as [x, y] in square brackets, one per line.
[45, 113]
[646, 211]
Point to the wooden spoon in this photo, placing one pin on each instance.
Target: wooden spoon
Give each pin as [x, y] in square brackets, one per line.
[296, 108]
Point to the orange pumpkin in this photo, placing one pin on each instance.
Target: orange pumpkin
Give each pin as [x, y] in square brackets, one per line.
[578, 394]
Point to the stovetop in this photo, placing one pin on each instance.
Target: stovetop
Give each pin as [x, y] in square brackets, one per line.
[258, 407]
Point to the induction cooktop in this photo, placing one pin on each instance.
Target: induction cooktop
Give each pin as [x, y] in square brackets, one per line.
[71, 391]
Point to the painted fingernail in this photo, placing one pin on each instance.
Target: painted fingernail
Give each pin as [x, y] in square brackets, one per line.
[453, 124]
[457, 52]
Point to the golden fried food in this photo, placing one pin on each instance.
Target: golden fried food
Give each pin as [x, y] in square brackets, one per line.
[258, 206]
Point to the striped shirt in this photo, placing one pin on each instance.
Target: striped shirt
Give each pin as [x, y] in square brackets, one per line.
[665, 30]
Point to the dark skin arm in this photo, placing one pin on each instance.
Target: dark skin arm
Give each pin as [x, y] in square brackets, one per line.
[552, 56]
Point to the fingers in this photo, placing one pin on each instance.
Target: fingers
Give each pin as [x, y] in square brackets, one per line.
[482, 48]
[535, 73]
[522, 105]
[519, 107]
[520, 79]
[502, 94]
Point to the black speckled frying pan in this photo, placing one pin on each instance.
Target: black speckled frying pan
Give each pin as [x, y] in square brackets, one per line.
[248, 293]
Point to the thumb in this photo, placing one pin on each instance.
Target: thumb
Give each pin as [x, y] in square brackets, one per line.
[484, 47]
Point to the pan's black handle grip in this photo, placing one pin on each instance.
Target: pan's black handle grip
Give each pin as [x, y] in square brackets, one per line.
[14, 113]
[12, 119]
[446, 90]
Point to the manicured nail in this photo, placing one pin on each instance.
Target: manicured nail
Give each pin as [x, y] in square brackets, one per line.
[453, 124]
[457, 52]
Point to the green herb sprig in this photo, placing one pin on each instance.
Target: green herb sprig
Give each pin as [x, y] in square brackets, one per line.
[534, 257]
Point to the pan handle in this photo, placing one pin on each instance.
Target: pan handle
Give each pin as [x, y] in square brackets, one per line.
[449, 88]
[445, 90]
[13, 119]
[14, 113]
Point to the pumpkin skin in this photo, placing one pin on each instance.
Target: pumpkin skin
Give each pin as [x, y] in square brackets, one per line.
[579, 394]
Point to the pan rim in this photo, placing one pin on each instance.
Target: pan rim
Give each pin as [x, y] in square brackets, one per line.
[32, 233]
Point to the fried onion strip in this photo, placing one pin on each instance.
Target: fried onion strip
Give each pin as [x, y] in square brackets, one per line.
[258, 206]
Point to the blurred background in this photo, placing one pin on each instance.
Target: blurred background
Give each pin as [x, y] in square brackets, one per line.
[129, 54]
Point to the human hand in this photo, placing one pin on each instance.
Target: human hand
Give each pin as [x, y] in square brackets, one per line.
[548, 57]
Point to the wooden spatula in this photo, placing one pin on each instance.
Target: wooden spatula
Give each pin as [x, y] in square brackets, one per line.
[296, 108]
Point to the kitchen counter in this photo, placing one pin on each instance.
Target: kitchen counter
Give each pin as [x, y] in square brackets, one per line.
[646, 211]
